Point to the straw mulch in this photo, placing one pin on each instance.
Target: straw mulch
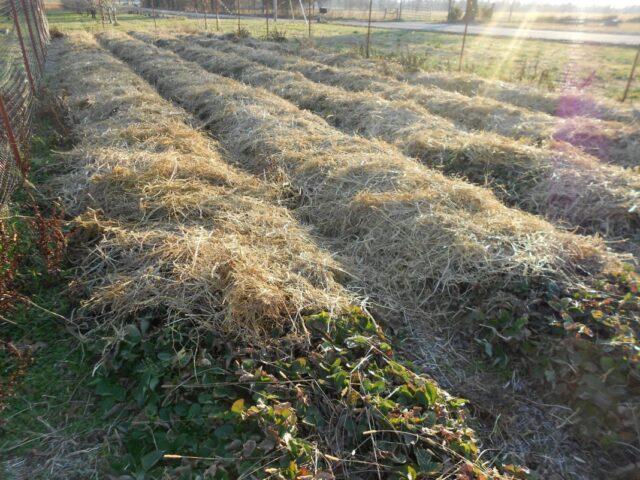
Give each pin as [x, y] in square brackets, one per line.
[611, 141]
[562, 184]
[177, 230]
[419, 237]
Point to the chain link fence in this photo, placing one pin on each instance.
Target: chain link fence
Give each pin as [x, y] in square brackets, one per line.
[24, 35]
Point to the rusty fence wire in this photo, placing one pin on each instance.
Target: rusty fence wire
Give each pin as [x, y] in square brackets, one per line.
[24, 35]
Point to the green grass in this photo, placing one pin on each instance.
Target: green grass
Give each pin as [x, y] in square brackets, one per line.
[48, 406]
[512, 60]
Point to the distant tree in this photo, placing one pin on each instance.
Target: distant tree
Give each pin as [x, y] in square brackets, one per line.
[471, 12]
[486, 12]
[454, 12]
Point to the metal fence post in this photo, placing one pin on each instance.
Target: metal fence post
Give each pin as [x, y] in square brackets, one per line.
[25, 58]
[37, 18]
[204, 9]
[238, 11]
[36, 52]
[11, 138]
[155, 25]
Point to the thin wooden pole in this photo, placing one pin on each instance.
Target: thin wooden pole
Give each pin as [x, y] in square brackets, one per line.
[238, 9]
[155, 25]
[266, 14]
[309, 17]
[304, 15]
[631, 75]
[204, 9]
[464, 37]
[217, 15]
[293, 17]
[368, 30]
[101, 14]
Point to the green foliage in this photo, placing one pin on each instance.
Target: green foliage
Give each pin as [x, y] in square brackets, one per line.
[340, 402]
[486, 12]
[276, 35]
[584, 344]
[455, 14]
[410, 61]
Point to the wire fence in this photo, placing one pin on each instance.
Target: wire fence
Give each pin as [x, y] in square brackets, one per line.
[24, 35]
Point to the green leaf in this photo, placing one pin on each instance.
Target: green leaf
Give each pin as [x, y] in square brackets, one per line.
[165, 356]
[430, 393]
[133, 335]
[224, 432]
[340, 378]
[150, 459]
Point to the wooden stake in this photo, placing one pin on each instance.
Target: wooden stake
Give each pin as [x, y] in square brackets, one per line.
[368, 30]
[631, 75]
[204, 9]
[238, 9]
[155, 25]
[464, 37]
[309, 17]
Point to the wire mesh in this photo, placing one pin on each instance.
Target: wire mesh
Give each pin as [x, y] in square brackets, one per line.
[24, 35]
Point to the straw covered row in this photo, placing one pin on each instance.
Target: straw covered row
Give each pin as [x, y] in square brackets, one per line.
[182, 232]
[563, 185]
[610, 141]
[414, 233]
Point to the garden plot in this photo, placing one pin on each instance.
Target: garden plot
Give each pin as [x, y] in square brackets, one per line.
[225, 343]
[425, 243]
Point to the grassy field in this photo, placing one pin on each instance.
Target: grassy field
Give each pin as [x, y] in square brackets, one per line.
[549, 65]
[592, 22]
[280, 262]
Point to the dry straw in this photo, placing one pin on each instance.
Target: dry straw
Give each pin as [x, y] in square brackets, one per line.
[564, 185]
[178, 232]
[610, 141]
[181, 239]
[419, 239]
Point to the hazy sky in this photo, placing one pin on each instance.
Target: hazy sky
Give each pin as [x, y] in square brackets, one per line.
[600, 3]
